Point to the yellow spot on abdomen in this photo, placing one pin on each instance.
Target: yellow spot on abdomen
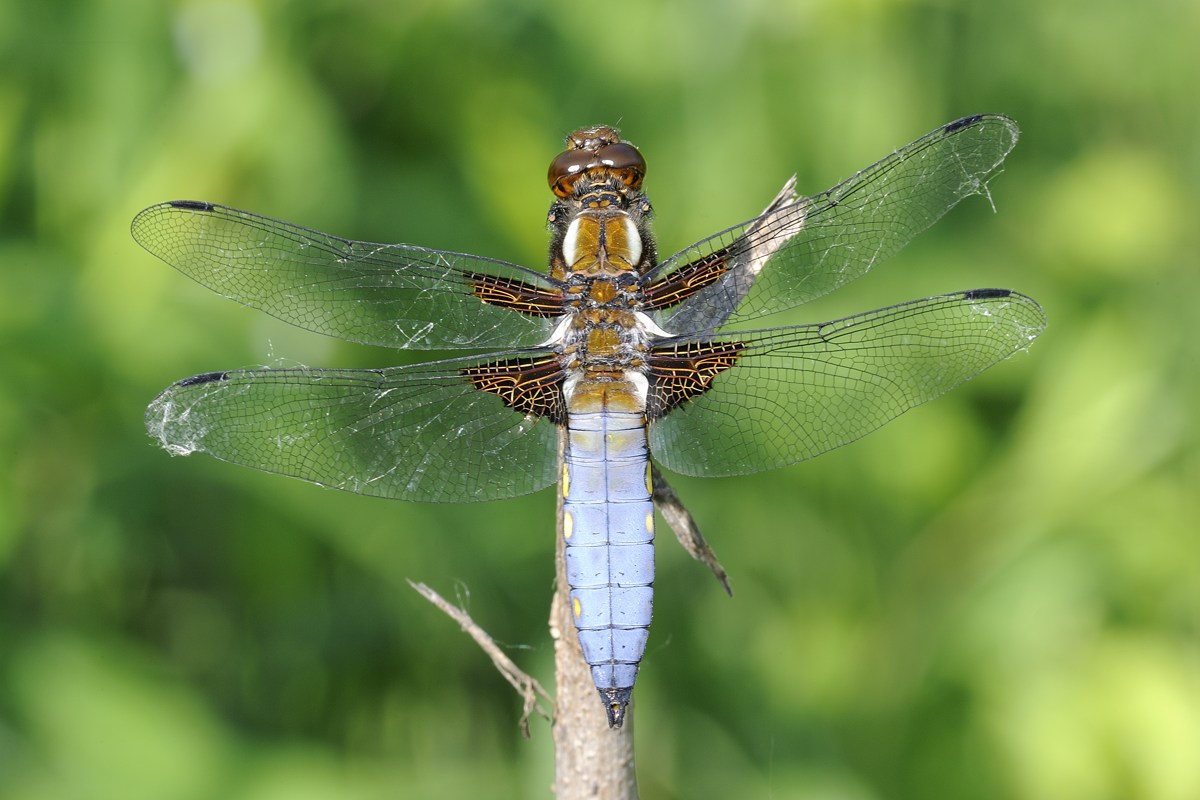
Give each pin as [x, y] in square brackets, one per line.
[649, 480]
[568, 524]
[566, 480]
[650, 522]
[578, 609]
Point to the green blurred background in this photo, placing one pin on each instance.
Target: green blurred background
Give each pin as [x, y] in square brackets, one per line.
[996, 596]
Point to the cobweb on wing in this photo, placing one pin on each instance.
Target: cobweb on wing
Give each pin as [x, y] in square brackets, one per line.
[171, 424]
[169, 418]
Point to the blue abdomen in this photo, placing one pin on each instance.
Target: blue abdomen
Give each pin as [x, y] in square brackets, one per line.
[608, 526]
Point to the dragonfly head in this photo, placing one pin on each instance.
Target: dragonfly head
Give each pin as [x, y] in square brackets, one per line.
[595, 155]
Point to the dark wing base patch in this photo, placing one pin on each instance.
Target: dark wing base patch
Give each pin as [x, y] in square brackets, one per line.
[517, 295]
[677, 374]
[686, 281]
[532, 386]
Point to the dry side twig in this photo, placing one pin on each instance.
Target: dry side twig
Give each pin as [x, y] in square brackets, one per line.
[526, 686]
[684, 525]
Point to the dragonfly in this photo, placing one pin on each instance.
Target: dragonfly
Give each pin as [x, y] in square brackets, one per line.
[626, 356]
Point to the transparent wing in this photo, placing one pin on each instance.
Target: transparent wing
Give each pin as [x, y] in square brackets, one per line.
[422, 432]
[797, 392]
[392, 295]
[802, 248]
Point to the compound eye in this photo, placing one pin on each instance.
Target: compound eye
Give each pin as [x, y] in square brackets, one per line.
[566, 168]
[624, 160]
[621, 155]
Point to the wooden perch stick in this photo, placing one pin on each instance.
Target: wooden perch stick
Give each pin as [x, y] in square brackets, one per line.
[591, 760]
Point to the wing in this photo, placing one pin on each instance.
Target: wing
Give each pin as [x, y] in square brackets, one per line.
[425, 432]
[802, 248]
[392, 295]
[756, 400]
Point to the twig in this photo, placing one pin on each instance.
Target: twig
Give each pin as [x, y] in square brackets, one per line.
[684, 526]
[529, 689]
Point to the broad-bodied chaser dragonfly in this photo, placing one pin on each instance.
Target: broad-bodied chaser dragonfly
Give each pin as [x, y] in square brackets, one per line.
[630, 354]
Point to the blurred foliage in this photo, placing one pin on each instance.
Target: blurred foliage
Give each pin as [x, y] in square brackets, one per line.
[997, 596]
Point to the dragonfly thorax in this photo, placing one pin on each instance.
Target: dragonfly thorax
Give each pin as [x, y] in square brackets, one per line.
[604, 338]
[610, 239]
[602, 244]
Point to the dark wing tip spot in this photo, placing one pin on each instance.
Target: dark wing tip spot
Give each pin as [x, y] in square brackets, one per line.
[207, 377]
[191, 205]
[965, 122]
[986, 294]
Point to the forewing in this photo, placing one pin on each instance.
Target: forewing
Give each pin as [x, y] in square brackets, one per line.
[422, 432]
[802, 248]
[392, 295]
[797, 392]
